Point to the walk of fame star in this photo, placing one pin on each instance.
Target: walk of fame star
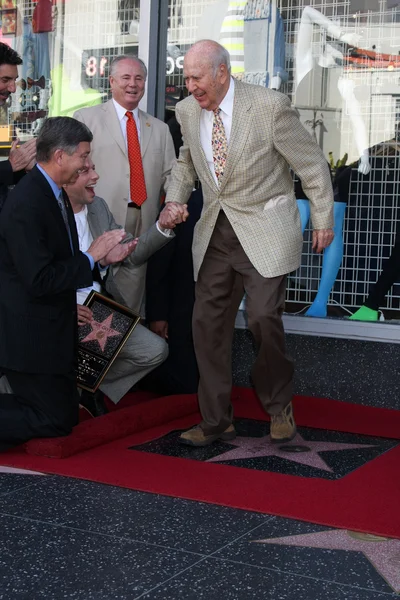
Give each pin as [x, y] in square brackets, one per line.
[18, 471]
[257, 447]
[384, 554]
[101, 332]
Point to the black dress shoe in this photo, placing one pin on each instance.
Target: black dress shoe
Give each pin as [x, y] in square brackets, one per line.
[94, 403]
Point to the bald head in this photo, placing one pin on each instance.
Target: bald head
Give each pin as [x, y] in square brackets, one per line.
[211, 53]
[206, 70]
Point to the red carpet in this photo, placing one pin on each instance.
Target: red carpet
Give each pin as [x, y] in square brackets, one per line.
[365, 500]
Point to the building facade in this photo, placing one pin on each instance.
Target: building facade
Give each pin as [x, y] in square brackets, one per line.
[337, 60]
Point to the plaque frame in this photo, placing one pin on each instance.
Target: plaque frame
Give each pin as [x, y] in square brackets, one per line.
[85, 354]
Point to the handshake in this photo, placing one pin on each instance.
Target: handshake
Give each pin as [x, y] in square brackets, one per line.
[173, 214]
[111, 248]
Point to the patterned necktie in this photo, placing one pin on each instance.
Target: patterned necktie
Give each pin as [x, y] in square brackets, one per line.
[232, 35]
[219, 144]
[137, 182]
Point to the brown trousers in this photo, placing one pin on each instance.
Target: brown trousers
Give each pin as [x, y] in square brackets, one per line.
[225, 274]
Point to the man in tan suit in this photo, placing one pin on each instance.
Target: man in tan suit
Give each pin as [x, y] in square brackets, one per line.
[118, 184]
[240, 139]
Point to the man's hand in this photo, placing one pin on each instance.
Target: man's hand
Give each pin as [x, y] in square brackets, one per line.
[119, 253]
[173, 214]
[322, 238]
[160, 328]
[101, 246]
[85, 315]
[23, 156]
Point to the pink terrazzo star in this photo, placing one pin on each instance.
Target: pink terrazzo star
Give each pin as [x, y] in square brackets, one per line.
[18, 471]
[384, 555]
[253, 447]
[101, 332]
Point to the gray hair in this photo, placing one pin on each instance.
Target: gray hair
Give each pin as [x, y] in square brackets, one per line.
[217, 54]
[62, 133]
[117, 59]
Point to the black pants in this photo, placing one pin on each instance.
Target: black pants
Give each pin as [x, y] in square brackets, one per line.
[41, 405]
[389, 275]
[177, 375]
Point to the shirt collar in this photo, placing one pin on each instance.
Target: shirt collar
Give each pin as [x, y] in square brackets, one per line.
[83, 212]
[226, 105]
[121, 111]
[51, 182]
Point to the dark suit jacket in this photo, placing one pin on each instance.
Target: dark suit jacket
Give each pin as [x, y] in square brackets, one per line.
[39, 276]
[7, 177]
[170, 297]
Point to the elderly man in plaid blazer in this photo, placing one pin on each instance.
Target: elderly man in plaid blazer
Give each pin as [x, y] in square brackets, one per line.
[240, 140]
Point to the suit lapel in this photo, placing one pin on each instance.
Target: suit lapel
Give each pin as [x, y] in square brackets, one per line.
[145, 131]
[113, 125]
[241, 124]
[94, 222]
[52, 204]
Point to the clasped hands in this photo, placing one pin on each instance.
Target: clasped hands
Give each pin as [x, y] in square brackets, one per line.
[172, 214]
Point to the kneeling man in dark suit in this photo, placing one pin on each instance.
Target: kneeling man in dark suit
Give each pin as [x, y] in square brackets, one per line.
[41, 267]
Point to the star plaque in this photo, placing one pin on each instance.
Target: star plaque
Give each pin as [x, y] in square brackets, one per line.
[101, 340]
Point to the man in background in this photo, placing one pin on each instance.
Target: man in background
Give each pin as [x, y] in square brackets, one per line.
[133, 153]
[21, 157]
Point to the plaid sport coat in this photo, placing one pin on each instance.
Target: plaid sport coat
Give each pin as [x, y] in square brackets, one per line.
[256, 190]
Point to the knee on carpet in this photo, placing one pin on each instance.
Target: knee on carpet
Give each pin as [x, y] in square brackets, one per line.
[161, 352]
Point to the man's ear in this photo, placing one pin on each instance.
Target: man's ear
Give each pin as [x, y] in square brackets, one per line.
[58, 156]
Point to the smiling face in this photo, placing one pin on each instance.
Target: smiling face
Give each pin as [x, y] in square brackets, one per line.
[8, 76]
[128, 83]
[208, 85]
[71, 165]
[82, 192]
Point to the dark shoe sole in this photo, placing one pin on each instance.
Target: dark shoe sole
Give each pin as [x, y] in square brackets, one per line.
[225, 437]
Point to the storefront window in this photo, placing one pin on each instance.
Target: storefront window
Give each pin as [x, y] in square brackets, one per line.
[339, 63]
[67, 47]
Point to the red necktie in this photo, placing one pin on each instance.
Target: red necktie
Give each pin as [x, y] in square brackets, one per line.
[137, 182]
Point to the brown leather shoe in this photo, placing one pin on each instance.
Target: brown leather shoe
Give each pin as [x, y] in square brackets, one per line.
[283, 427]
[196, 436]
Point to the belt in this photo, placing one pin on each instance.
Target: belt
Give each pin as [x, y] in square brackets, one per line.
[134, 205]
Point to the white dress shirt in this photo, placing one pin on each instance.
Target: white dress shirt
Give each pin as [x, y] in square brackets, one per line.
[206, 124]
[121, 114]
[85, 239]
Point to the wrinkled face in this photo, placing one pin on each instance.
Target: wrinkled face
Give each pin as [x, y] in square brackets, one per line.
[8, 77]
[208, 88]
[73, 164]
[82, 191]
[128, 83]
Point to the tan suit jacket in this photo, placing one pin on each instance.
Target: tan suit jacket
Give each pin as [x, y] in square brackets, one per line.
[124, 281]
[256, 189]
[109, 154]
